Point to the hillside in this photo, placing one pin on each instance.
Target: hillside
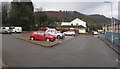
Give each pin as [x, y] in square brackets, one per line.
[68, 15]
[100, 18]
[93, 21]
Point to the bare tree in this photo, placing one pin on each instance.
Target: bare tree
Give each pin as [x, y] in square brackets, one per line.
[39, 9]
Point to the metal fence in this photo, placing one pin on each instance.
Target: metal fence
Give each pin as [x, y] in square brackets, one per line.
[113, 33]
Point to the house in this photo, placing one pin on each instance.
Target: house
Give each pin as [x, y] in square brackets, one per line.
[76, 24]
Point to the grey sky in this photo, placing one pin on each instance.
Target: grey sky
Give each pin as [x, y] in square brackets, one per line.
[83, 6]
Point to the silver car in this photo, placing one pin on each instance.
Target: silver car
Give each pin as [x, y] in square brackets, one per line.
[69, 33]
[55, 33]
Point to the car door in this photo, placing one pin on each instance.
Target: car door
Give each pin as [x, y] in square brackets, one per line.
[41, 36]
[67, 32]
[36, 35]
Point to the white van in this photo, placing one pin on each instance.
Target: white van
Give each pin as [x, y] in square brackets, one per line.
[16, 29]
[5, 30]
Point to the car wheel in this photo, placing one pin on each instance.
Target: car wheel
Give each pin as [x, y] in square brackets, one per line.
[32, 38]
[6, 32]
[15, 32]
[48, 39]
[58, 37]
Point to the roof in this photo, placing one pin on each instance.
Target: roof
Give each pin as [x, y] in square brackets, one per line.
[66, 23]
[79, 22]
[75, 22]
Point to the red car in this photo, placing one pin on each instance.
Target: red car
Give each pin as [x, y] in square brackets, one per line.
[41, 35]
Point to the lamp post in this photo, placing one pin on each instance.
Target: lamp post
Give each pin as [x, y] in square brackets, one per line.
[112, 23]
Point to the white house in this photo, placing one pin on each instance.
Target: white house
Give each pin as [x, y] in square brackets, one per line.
[76, 24]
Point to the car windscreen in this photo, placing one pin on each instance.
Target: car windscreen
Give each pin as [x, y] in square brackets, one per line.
[35, 32]
[47, 33]
[41, 33]
[3, 28]
[10, 28]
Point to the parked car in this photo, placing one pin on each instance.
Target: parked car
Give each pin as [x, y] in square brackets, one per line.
[41, 35]
[94, 32]
[69, 33]
[103, 32]
[55, 33]
[5, 30]
[16, 29]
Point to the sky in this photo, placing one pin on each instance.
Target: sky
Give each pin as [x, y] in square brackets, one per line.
[87, 7]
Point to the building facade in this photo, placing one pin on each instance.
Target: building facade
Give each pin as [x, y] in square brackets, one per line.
[76, 24]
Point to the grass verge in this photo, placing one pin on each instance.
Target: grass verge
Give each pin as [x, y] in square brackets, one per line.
[38, 42]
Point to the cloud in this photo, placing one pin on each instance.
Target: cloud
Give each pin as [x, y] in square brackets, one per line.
[82, 7]
[74, 0]
[65, 0]
[67, 5]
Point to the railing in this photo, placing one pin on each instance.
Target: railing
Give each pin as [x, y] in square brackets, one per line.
[113, 34]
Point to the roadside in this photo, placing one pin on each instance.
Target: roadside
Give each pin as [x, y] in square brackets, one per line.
[110, 44]
[113, 46]
[4, 66]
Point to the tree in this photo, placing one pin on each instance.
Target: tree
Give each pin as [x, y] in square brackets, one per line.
[39, 9]
[0, 14]
[27, 15]
[41, 18]
[5, 10]
[52, 20]
[22, 14]
[14, 14]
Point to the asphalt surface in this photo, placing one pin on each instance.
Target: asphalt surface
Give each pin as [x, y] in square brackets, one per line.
[81, 51]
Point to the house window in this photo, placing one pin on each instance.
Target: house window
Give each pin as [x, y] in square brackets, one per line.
[72, 25]
[77, 25]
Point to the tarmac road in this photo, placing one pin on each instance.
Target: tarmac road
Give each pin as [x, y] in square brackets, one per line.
[81, 51]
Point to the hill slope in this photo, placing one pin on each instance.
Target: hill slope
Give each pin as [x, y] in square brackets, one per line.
[93, 21]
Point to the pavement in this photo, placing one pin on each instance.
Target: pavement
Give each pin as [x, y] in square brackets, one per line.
[80, 51]
[113, 46]
[110, 44]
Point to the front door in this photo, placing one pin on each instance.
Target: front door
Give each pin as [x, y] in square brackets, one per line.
[41, 36]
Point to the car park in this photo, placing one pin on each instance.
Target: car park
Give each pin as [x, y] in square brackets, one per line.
[69, 33]
[41, 35]
[55, 33]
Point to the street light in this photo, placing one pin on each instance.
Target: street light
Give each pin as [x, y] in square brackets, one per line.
[112, 23]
